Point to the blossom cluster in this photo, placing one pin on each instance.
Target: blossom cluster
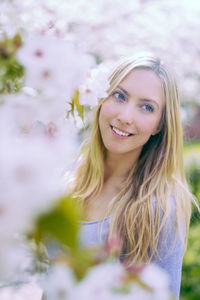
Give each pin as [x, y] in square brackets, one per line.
[107, 281]
[38, 142]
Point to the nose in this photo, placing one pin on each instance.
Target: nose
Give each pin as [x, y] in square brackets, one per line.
[127, 115]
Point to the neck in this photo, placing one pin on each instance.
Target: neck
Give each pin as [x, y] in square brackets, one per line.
[118, 165]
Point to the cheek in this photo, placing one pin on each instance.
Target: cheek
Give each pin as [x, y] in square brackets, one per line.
[106, 111]
[103, 116]
[148, 126]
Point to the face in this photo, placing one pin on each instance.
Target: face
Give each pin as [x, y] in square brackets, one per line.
[132, 113]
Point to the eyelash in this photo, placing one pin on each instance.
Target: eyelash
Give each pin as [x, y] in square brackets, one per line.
[119, 93]
[149, 108]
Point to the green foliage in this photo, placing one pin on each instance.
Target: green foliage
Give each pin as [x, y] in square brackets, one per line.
[190, 289]
[11, 72]
[193, 177]
[192, 169]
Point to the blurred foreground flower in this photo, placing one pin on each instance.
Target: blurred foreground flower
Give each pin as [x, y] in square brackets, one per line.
[107, 281]
[97, 273]
[95, 87]
[37, 142]
[52, 67]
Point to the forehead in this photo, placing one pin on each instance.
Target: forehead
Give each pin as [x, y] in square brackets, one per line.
[144, 84]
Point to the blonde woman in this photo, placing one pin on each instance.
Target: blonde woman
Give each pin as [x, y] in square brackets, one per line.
[130, 178]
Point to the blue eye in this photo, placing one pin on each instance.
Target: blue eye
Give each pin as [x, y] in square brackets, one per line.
[148, 108]
[119, 96]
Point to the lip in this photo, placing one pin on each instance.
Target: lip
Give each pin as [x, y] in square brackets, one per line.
[120, 136]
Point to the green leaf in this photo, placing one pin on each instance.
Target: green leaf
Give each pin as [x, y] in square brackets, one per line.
[9, 46]
[75, 104]
[79, 107]
[60, 223]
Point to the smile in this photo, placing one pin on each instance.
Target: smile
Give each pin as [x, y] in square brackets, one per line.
[119, 132]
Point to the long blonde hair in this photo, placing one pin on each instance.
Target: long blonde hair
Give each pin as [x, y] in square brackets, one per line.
[155, 193]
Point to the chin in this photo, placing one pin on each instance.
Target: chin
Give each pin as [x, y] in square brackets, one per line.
[115, 151]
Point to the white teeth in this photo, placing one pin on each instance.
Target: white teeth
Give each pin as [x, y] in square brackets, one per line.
[120, 132]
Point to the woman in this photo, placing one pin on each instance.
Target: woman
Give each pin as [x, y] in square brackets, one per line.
[130, 177]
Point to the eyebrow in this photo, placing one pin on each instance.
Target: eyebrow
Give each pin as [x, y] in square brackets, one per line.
[123, 90]
[142, 99]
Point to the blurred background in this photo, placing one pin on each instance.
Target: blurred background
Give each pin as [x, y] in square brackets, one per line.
[110, 30]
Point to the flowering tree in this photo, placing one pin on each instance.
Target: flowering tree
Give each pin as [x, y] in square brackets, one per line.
[43, 90]
[169, 28]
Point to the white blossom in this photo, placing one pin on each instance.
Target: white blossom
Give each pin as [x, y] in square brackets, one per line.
[15, 259]
[37, 143]
[99, 281]
[104, 281]
[58, 283]
[26, 291]
[9, 20]
[95, 87]
[158, 280]
[52, 66]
